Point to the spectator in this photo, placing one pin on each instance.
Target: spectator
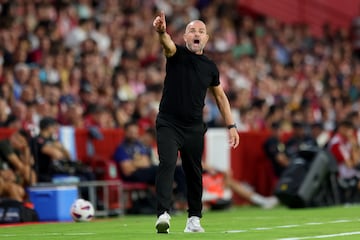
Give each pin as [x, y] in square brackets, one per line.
[275, 150]
[242, 190]
[345, 148]
[8, 186]
[53, 158]
[321, 136]
[135, 164]
[15, 152]
[298, 139]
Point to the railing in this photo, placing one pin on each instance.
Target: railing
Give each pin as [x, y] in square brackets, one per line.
[99, 194]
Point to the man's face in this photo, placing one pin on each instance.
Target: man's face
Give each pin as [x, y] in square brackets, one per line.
[132, 133]
[196, 37]
[347, 132]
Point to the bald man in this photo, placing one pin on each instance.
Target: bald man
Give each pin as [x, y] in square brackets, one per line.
[179, 124]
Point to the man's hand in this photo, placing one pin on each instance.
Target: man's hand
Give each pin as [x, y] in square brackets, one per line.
[160, 23]
[234, 138]
[141, 160]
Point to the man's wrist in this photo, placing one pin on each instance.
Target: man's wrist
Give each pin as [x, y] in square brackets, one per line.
[230, 126]
[161, 32]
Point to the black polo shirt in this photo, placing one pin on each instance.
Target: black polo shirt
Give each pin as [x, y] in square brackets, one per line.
[188, 76]
[44, 161]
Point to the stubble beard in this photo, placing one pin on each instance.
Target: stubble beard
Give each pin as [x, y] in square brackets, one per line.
[195, 50]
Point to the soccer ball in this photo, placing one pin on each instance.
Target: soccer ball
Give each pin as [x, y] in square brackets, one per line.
[82, 211]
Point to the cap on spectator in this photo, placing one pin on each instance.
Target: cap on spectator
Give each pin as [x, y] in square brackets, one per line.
[47, 122]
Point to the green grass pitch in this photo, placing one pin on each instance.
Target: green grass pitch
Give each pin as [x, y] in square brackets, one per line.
[341, 222]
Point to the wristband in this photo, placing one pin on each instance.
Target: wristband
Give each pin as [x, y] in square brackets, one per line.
[231, 126]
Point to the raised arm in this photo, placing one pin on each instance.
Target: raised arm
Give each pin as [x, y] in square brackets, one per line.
[165, 39]
[224, 108]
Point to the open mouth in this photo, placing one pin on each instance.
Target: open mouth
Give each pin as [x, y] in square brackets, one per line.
[196, 41]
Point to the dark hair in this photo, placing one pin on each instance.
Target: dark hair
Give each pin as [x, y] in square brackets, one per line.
[47, 122]
[11, 119]
[129, 124]
[151, 131]
[25, 134]
[346, 124]
[275, 125]
[317, 125]
[297, 124]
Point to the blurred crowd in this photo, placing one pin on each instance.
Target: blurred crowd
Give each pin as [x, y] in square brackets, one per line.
[98, 63]
[92, 63]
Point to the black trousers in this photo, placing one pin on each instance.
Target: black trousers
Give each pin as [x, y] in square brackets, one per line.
[148, 175]
[173, 137]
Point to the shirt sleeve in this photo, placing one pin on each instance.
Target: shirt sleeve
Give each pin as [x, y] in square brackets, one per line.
[216, 77]
[121, 155]
[338, 153]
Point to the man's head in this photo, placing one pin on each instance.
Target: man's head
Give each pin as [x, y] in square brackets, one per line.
[298, 128]
[48, 125]
[346, 129]
[196, 36]
[276, 128]
[131, 131]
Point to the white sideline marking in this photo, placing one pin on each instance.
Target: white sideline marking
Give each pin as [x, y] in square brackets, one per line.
[292, 226]
[78, 234]
[340, 221]
[288, 226]
[262, 228]
[322, 236]
[314, 223]
[235, 231]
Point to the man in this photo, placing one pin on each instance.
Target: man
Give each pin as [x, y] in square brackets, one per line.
[299, 140]
[274, 149]
[49, 151]
[135, 164]
[53, 158]
[346, 150]
[16, 163]
[179, 124]
[16, 153]
[218, 180]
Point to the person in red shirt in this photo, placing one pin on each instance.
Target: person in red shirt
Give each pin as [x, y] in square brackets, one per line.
[346, 150]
